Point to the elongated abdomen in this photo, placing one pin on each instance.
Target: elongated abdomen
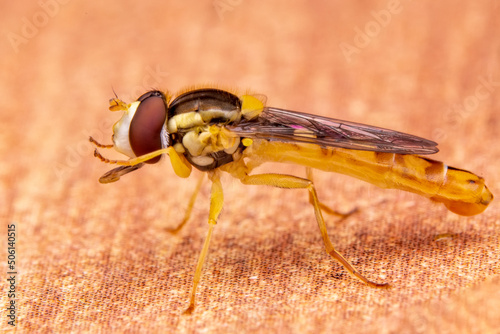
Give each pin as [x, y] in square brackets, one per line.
[462, 192]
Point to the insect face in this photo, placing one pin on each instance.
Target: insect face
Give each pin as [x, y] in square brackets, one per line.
[142, 128]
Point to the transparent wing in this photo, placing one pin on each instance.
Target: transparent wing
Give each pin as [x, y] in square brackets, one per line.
[291, 126]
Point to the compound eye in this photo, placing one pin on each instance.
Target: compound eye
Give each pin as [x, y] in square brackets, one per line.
[146, 126]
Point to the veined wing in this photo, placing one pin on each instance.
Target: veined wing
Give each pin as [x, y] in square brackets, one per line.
[291, 126]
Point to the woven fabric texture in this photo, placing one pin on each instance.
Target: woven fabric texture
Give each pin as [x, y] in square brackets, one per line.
[96, 258]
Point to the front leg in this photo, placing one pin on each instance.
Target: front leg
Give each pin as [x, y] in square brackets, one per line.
[216, 203]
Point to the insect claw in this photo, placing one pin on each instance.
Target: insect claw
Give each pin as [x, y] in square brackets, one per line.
[344, 215]
[98, 155]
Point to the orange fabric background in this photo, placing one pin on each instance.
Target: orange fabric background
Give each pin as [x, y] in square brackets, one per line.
[98, 258]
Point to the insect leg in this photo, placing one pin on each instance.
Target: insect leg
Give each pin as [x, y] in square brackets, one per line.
[133, 161]
[216, 202]
[324, 207]
[96, 143]
[181, 166]
[190, 206]
[293, 182]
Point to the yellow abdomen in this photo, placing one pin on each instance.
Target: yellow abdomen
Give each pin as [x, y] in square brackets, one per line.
[462, 192]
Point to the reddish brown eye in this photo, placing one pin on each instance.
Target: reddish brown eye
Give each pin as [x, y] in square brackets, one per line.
[145, 128]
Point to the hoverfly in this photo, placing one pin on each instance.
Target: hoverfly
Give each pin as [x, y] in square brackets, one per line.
[217, 131]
